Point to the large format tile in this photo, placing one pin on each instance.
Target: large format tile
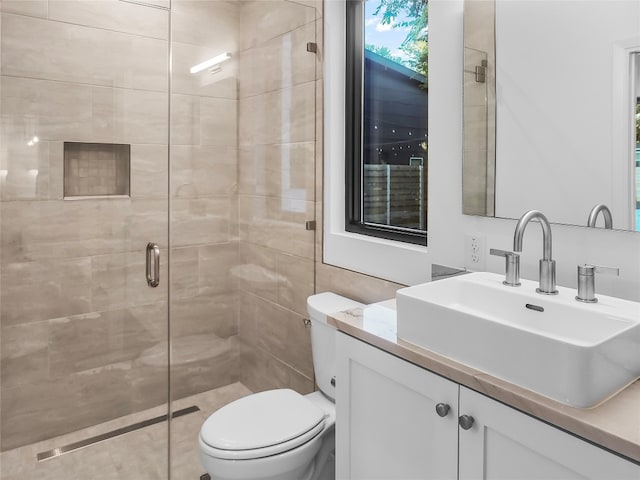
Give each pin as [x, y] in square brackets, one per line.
[83, 343]
[262, 20]
[149, 167]
[296, 281]
[42, 230]
[205, 314]
[24, 353]
[34, 291]
[113, 15]
[210, 23]
[25, 170]
[219, 121]
[278, 63]
[278, 117]
[73, 112]
[277, 223]
[201, 171]
[37, 48]
[257, 271]
[278, 170]
[31, 8]
[48, 110]
[216, 264]
[119, 280]
[200, 221]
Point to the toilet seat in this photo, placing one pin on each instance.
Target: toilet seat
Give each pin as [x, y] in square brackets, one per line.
[261, 425]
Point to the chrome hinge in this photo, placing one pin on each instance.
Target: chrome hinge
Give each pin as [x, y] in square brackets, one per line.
[481, 72]
[307, 322]
[310, 225]
[312, 47]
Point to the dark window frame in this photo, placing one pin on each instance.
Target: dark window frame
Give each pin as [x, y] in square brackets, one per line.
[354, 91]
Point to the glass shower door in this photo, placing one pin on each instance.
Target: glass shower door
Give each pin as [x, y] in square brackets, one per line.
[84, 190]
[243, 151]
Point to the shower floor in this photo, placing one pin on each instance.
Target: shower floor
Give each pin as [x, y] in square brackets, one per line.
[138, 455]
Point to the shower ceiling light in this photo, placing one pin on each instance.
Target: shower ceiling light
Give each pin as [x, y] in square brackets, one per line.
[213, 61]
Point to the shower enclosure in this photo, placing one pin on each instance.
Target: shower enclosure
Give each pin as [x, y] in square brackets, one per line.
[141, 137]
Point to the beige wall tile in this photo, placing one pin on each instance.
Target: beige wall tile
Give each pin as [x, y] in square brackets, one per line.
[216, 264]
[200, 221]
[118, 280]
[296, 282]
[31, 8]
[27, 174]
[56, 229]
[286, 171]
[210, 23]
[219, 117]
[24, 353]
[129, 116]
[112, 15]
[48, 110]
[283, 116]
[185, 120]
[83, 343]
[362, 288]
[262, 20]
[205, 314]
[257, 271]
[149, 166]
[37, 48]
[278, 63]
[211, 366]
[262, 371]
[277, 223]
[184, 272]
[200, 171]
[36, 291]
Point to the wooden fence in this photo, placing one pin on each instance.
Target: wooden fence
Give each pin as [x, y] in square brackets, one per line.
[395, 195]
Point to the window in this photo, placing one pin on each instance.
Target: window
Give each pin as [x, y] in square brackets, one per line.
[386, 119]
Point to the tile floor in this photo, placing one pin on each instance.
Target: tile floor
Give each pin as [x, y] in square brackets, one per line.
[138, 455]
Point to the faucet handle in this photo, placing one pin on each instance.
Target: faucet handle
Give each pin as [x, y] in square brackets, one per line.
[586, 281]
[512, 266]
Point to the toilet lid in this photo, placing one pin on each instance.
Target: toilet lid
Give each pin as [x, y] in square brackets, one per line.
[261, 420]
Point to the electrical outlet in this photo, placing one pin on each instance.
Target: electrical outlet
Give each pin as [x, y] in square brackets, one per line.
[474, 253]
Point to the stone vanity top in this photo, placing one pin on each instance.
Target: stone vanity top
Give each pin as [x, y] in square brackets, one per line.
[614, 423]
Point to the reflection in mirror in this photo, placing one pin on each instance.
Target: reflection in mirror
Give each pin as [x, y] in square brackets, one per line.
[554, 128]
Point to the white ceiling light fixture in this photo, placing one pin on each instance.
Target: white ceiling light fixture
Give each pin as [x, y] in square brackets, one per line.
[212, 62]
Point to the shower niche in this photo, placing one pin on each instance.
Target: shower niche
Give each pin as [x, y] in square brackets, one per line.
[96, 170]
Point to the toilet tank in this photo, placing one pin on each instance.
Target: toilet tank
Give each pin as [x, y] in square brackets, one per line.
[323, 336]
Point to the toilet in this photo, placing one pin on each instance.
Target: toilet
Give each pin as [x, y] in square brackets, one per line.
[280, 434]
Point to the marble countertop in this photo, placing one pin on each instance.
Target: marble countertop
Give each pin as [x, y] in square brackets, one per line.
[613, 424]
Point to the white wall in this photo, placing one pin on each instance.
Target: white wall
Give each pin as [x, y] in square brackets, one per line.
[555, 141]
[571, 245]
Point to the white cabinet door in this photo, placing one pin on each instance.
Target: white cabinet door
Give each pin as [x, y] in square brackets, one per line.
[506, 444]
[386, 421]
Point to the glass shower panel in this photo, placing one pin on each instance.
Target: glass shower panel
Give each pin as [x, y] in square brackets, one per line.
[243, 133]
[84, 189]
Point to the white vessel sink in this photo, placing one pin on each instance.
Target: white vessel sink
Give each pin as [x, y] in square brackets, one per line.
[576, 353]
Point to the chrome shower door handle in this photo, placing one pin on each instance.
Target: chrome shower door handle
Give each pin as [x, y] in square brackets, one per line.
[153, 256]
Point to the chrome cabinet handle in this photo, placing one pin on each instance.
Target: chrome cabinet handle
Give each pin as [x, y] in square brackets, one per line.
[153, 256]
[442, 409]
[465, 421]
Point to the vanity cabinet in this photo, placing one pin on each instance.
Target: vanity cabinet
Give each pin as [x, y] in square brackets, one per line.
[388, 426]
[386, 421]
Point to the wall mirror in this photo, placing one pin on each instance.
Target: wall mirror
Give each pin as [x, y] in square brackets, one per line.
[551, 109]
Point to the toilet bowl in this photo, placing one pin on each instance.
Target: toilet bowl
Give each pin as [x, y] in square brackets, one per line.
[276, 434]
[280, 434]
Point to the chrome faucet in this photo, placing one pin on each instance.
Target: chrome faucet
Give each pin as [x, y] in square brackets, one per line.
[547, 265]
[606, 213]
